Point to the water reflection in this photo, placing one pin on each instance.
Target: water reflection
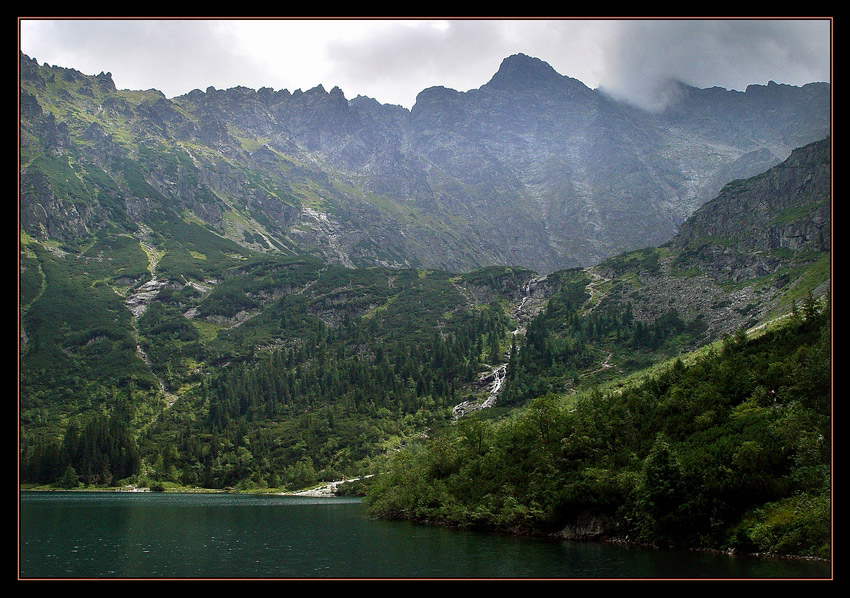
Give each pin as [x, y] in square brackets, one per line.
[92, 535]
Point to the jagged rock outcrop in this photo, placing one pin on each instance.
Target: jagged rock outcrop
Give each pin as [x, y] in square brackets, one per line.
[588, 526]
[533, 169]
[787, 207]
[735, 258]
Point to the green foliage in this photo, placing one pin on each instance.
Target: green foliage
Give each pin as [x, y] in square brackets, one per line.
[63, 178]
[115, 258]
[329, 403]
[795, 525]
[643, 260]
[497, 277]
[326, 367]
[171, 344]
[101, 452]
[564, 343]
[730, 451]
[31, 279]
[195, 252]
[79, 334]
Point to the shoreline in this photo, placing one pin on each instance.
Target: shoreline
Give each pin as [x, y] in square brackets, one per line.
[324, 490]
[329, 491]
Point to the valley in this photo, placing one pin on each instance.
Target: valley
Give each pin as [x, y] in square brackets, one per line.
[519, 308]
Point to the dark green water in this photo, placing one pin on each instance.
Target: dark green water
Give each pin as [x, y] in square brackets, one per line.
[152, 535]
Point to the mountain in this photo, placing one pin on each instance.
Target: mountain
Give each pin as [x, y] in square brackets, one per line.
[228, 342]
[227, 289]
[756, 252]
[787, 207]
[676, 396]
[533, 169]
[259, 291]
[744, 251]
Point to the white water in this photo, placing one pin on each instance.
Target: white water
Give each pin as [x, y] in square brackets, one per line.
[521, 312]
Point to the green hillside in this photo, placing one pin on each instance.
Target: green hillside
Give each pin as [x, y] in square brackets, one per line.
[730, 452]
[295, 361]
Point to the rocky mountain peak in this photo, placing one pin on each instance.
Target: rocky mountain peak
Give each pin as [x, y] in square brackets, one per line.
[532, 169]
[519, 72]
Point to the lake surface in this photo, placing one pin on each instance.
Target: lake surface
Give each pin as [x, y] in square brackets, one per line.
[156, 535]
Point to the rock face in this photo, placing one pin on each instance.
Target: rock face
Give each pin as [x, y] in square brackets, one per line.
[533, 169]
[736, 256]
[787, 207]
[588, 526]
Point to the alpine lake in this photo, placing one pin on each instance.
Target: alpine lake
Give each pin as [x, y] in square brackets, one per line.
[148, 535]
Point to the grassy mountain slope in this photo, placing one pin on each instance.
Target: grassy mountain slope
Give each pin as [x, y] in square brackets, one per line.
[263, 343]
[183, 335]
[752, 254]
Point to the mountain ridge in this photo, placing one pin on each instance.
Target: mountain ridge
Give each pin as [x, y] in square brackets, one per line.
[509, 174]
[250, 291]
[158, 351]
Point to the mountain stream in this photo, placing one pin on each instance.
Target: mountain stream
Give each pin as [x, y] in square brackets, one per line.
[529, 305]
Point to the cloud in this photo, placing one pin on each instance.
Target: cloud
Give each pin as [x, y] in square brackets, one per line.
[644, 55]
[390, 60]
[393, 60]
[170, 55]
[463, 54]
[416, 56]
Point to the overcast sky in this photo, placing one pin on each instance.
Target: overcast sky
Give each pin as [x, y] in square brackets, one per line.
[393, 60]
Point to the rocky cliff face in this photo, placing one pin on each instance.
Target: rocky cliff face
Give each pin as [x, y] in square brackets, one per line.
[533, 169]
[742, 256]
[788, 207]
